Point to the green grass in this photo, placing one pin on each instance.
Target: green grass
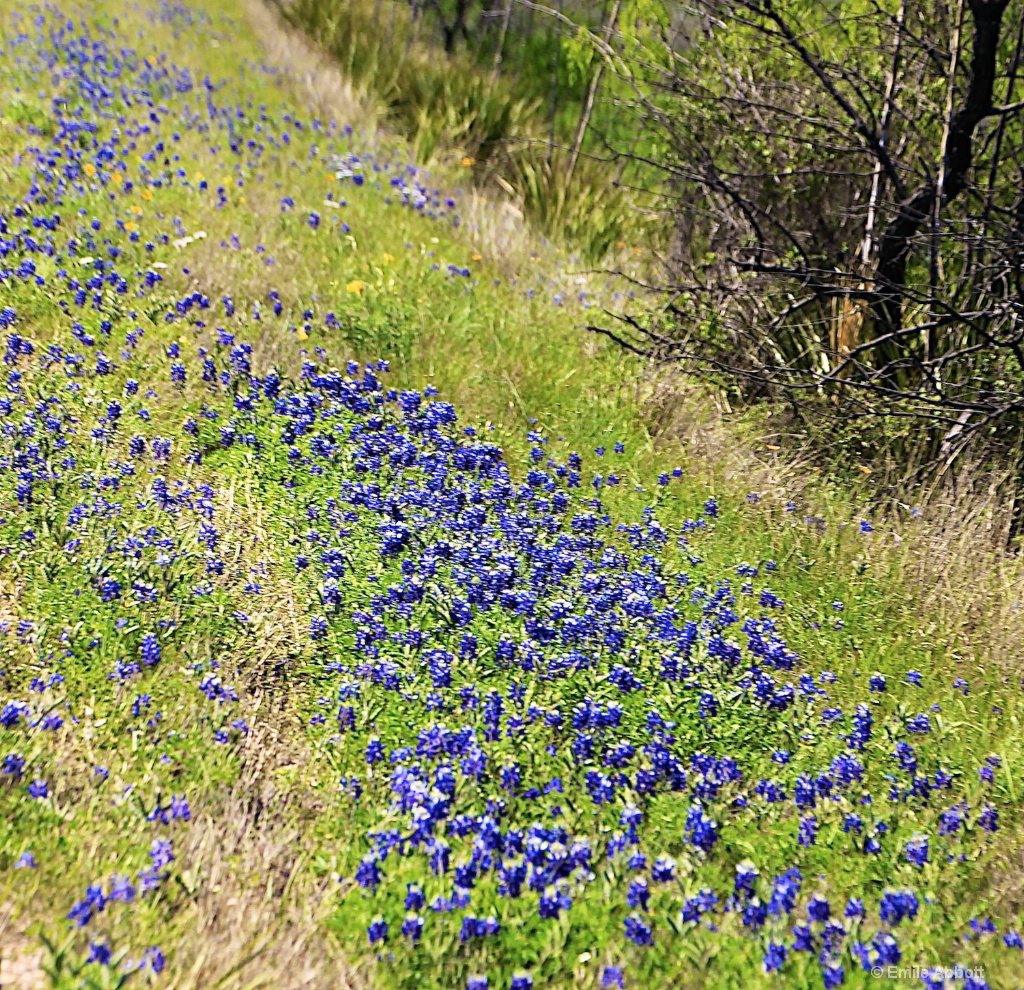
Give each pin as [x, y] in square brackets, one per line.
[455, 107]
[253, 896]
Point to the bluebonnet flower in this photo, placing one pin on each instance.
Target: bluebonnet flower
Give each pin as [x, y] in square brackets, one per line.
[611, 977]
[785, 889]
[803, 938]
[121, 889]
[368, 873]
[638, 931]
[986, 772]
[746, 877]
[700, 830]
[819, 909]
[774, 957]
[862, 723]
[663, 870]
[807, 832]
[897, 905]
[917, 850]
[93, 903]
[378, 931]
[833, 975]
[886, 949]
[150, 650]
[919, 723]
[412, 928]
[638, 894]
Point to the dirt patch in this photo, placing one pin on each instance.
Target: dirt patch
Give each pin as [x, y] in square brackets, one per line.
[21, 960]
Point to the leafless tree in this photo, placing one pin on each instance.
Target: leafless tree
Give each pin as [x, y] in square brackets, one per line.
[848, 188]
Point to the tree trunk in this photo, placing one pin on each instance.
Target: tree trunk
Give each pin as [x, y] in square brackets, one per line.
[588, 103]
[931, 350]
[883, 136]
[452, 31]
[915, 210]
[554, 87]
[500, 53]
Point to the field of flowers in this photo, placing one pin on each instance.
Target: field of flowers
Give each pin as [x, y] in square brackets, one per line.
[354, 630]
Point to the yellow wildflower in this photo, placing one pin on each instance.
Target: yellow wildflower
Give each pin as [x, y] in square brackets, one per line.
[468, 161]
[89, 169]
[356, 287]
[147, 194]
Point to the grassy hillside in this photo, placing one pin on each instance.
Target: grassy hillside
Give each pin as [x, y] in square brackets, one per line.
[356, 629]
[521, 127]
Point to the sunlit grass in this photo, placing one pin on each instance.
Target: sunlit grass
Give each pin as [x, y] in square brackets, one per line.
[262, 889]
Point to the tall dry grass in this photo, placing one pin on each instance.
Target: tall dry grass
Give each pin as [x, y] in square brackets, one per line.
[313, 76]
[951, 558]
[946, 545]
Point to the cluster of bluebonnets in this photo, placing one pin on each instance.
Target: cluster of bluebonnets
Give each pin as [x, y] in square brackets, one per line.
[545, 716]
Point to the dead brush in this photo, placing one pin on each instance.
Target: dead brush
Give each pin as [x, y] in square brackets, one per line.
[319, 79]
[950, 552]
[256, 910]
